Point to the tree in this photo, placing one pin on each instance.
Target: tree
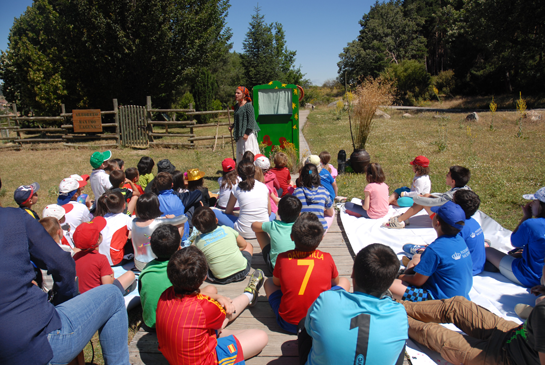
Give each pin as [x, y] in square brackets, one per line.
[84, 53]
[266, 56]
[387, 36]
[204, 92]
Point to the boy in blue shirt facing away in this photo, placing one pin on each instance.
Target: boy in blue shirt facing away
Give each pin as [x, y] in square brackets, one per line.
[360, 327]
[445, 268]
[169, 201]
[472, 232]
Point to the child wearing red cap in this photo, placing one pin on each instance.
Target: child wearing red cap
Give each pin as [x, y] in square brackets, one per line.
[92, 267]
[403, 197]
[227, 182]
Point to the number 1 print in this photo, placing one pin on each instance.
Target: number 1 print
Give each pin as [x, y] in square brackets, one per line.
[310, 264]
[362, 322]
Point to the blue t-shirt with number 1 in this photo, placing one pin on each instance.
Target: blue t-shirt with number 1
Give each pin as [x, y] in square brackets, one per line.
[356, 328]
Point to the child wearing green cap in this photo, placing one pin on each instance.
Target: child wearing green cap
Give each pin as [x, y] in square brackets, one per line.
[100, 180]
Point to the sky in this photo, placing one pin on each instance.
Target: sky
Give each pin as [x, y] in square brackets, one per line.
[317, 30]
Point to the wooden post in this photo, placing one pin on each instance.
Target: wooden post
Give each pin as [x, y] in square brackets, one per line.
[14, 107]
[191, 127]
[231, 133]
[217, 131]
[148, 107]
[116, 110]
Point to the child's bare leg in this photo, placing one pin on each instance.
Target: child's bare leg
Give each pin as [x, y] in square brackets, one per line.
[249, 248]
[398, 289]
[270, 287]
[494, 256]
[263, 239]
[414, 261]
[392, 199]
[209, 289]
[251, 340]
[410, 212]
[240, 303]
[126, 279]
[343, 283]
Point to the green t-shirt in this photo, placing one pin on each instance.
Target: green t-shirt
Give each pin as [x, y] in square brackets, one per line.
[222, 252]
[280, 233]
[153, 281]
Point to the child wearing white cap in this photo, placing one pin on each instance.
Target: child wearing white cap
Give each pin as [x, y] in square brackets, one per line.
[58, 212]
[69, 192]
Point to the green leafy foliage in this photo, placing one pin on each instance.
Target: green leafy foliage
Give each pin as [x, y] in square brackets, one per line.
[204, 92]
[411, 80]
[266, 57]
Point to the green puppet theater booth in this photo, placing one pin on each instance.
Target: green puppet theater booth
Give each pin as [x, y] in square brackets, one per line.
[276, 108]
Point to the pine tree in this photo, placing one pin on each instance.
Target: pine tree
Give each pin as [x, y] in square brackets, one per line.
[204, 92]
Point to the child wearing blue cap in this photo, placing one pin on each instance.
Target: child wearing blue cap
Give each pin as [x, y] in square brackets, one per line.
[444, 269]
[26, 196]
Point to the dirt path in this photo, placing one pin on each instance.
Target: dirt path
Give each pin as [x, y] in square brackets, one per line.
[304, 149]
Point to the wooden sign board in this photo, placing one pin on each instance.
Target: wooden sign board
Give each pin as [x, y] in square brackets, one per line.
[87, 120]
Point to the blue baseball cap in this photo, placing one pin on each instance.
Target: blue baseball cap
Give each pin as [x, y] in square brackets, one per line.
[24, 192]
[451, 213]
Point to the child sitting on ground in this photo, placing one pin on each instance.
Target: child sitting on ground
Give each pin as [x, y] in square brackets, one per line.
[282, 172]
[153, 280]
[178, 182]
[118, 180]
[375, 203]
[300, 275]
[274, 237]
[92, 268]
[58, 212]
[457, 178]
[170, 202]
[118, 228]
[120, 164]
[327, 336]
[228, 254]
[53, 227]
[75, 212]
[248, 156]
[273, 193]
[326, 179]
[189, 319]
[325, 157]
[403, 197]
[26, 196]
[132, 175]
[145, 166]
[270, 178]
[195, 181]
[444, 269]
[100, 181]
[227, 183]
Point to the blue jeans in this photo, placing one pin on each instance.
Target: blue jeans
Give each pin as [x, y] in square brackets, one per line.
[225, 219]
[100, 309]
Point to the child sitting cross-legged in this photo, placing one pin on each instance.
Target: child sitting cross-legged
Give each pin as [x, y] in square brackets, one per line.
[228, 254]
[328, 334]
[92, 268]
[190, 322]
[153, 280]
[403, 197]
[300, 275]
[375, 202]
[282, 172]
[444, 269]
[274, 237]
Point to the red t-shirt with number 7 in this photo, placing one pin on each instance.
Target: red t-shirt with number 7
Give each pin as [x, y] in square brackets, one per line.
[303, 277]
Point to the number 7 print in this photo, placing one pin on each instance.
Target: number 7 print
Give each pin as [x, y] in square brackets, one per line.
[310, 264]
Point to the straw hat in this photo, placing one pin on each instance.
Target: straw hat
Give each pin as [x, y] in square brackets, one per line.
[194, 174]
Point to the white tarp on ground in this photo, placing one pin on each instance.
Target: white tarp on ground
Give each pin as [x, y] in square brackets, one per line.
[490, 290]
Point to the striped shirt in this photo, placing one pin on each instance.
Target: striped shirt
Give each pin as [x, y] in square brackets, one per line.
[314, 200]
[186, 328]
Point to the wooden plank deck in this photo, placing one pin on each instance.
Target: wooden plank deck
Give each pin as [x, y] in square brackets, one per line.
[282, 347]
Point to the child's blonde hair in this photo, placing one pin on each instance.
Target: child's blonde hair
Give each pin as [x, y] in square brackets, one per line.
[52, 226]
[259, 175]
[280, 160]
[325, 157]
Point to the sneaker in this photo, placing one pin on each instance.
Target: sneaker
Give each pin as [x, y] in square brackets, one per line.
[254, 284]
[413, 249]
[523, 310]
[394, 223]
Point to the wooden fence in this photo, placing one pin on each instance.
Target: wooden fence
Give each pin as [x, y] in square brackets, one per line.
[133, 127]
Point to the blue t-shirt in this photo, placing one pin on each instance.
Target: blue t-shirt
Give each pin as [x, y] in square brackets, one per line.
[327, 182]
[472, 233]
[170, 203]
[314, 200]
[448, 264]
[356, 328]
[531, 236]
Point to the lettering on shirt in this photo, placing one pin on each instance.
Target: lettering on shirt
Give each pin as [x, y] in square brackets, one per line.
[304, 254]
[458, 255]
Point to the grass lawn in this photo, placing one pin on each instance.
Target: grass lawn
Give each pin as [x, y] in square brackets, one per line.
[503, 166]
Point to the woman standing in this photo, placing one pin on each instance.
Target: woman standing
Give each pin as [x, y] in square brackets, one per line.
[244, 127]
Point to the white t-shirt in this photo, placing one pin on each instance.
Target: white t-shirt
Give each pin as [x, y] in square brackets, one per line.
[253, 208]
[225, 194]
[100, 182]
[114, 236]
[78, 215]
[420, 185]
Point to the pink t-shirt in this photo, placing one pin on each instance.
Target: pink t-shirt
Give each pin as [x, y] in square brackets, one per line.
[378, 200]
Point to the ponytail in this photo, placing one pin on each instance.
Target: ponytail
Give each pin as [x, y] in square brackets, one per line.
[246, 171]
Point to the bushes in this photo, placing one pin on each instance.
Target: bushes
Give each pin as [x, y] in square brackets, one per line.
[411, 79]
[445, 82]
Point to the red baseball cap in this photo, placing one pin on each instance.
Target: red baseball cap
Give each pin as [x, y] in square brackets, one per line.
[228, 165]
[420, 161]
[87, 234]
[258, 156]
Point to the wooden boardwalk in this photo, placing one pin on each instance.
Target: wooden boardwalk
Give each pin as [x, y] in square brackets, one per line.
[282, 347]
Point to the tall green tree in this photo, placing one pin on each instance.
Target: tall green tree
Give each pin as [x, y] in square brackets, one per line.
[266, 56]
[204, 92]
[387, 36]
[84, 53]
